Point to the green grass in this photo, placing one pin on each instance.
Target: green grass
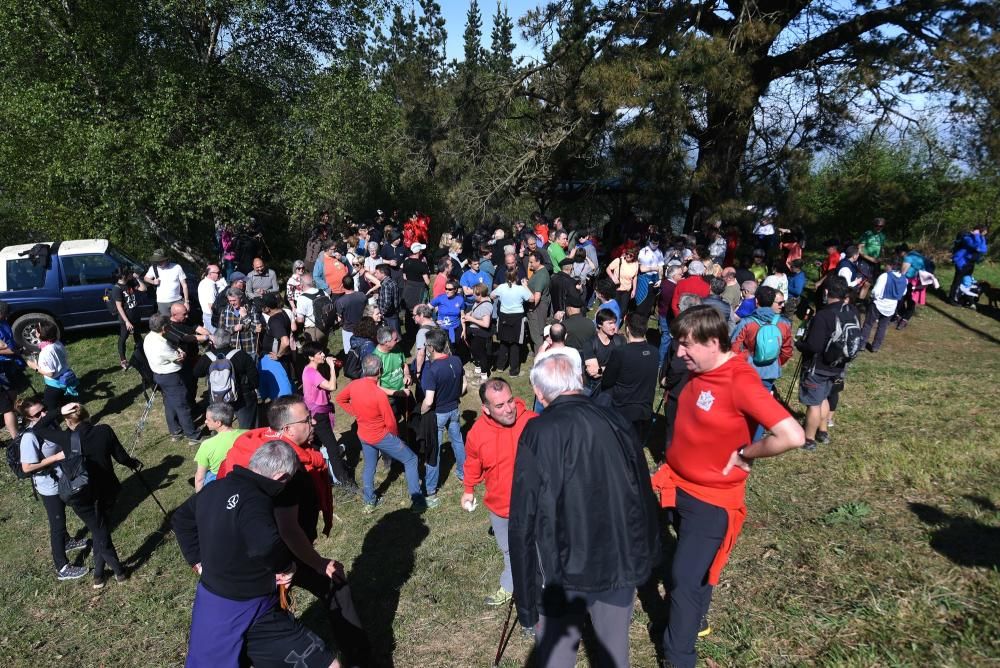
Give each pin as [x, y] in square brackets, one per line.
[878, 549]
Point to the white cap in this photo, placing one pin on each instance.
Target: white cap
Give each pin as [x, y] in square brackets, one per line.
[417, 247]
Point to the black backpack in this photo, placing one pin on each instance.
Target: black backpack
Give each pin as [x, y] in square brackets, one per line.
[74, 481]
[845, 342]
[352, 364]
[14, 458]
[324, 312]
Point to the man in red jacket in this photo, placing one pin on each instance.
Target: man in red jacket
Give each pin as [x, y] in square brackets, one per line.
[490, 447]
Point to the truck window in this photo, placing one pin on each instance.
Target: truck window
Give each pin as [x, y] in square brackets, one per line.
[88, 269]
[23, 275]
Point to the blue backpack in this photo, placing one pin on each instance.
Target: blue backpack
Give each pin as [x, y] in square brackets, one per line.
[767, 343]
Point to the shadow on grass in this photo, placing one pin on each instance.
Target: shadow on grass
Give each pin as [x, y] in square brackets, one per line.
[961, 323]
[963, 540]
[135, 490]
[385, 565]
[656, 606]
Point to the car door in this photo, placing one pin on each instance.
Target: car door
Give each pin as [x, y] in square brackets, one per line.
[86, 279]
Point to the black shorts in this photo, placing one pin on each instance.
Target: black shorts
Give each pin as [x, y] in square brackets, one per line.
[814, 388]
[279, 640]
[6, 401]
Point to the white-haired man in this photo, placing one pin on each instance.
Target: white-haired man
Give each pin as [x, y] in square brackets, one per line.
[587, 456]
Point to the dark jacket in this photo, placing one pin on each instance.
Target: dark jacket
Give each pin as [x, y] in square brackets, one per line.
[583, 516]
[818, 334]
[229, 529]
[100, 445]
[244, 368]
[630, 376]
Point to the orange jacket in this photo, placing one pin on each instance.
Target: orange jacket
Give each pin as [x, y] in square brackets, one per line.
[490, 449]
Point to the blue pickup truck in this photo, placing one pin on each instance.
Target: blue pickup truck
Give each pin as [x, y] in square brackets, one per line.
[67, 287]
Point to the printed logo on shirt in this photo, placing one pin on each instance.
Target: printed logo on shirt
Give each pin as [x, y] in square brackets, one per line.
[232, 501]
[705, 401]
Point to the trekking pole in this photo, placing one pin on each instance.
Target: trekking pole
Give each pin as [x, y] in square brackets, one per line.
[795, 379]
[149, 489]
[505, 635]
[656, 413]
[140, 426]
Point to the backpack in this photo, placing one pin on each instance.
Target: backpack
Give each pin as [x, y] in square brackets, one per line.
[845, 342]
[352, 361]
[74, 481]
[324, 311]
[767, 343]
[14, 458]
[222, 377]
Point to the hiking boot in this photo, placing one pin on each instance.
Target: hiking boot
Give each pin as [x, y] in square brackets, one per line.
[69, 572]
[99, 581]
[176, 438]
[369, 508]
[121, 577]
[76, 544]
[432, 501]
[869, 348]
[705, 629]
[499, 597]
[809, 445]
[822, 437]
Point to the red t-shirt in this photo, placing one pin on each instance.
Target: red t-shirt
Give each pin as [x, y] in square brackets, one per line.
[716, 414]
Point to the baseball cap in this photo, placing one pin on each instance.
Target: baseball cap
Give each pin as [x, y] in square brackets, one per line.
[417, 247]
[237, 276]
[566, 261]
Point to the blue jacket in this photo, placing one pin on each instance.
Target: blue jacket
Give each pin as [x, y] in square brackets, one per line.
[763, 314]
[971, 248]
[796, 284]
[319, 278]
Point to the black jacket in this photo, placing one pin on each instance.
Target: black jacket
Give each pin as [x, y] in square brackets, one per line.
[229, 529]
[818, 334]
[244, 368]
[583, 516]
[100, 445]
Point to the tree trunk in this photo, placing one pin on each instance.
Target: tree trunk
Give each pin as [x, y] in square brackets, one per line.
[721, 148]
[175, 244]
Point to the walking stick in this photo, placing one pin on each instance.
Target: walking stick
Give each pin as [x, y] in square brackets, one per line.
[505, 635]
[656, 413]
[795, 379]
[150, 490]
[140, 426]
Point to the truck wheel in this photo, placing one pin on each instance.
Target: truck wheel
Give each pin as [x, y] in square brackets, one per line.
[26, 330]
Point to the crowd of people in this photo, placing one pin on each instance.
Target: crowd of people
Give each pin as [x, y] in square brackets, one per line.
[571, 500]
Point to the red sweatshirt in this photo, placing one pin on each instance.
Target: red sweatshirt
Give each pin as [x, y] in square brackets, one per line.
[490, 448]
[369, 405]
[311, 459]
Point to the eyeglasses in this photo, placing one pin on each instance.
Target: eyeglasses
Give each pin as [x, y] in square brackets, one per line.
[308, 420]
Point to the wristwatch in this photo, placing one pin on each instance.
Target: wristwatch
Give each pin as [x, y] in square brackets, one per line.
[742, 456]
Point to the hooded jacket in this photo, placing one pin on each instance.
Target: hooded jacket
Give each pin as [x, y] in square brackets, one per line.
[490, 448]
[229, 529]
[744, 340]
[583, 516]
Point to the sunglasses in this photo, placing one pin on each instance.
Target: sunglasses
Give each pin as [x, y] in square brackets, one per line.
[450, 289]
[780, 303]
[36, 414]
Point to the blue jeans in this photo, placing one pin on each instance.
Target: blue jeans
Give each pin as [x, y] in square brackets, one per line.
[392, 447]
[450, 422]
[664, 338]
[759, 432]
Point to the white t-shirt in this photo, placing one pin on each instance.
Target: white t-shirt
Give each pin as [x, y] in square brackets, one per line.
[779, 283]
[648, 256]
[568, 351]
[304, 307]
[171, 276]
[53, 358]
[763, 229]
[884, 306]
[208, 290]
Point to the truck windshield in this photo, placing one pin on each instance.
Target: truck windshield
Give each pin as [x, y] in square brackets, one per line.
[22, 274]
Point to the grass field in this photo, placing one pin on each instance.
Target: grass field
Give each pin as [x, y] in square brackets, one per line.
[881, 548]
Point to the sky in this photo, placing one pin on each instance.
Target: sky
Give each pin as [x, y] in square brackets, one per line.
[454, 12]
